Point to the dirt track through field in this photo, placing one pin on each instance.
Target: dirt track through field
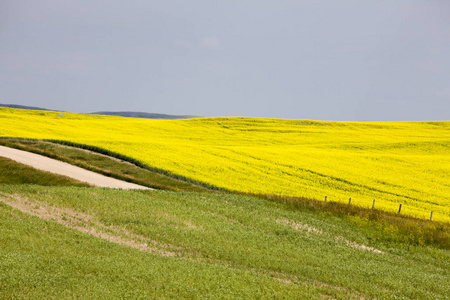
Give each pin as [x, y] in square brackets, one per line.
[58, 167]
[85, 223]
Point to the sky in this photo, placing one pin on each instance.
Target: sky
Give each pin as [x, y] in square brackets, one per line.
[320, 60]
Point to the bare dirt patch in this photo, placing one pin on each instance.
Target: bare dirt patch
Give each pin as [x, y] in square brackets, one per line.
[339, 239]
[299, 226]
[358, 246]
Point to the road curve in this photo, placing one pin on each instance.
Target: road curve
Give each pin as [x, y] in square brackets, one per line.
[55, 166]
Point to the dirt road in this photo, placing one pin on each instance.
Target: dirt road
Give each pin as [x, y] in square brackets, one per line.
[55, 166]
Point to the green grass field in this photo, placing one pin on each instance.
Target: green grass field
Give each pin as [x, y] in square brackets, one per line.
[199, 245]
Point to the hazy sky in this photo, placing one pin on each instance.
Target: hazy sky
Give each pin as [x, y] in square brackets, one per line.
[321, 60]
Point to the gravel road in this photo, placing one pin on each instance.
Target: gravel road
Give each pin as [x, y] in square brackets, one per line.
[55, 166]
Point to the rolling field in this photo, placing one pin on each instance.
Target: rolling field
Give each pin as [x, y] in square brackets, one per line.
[393, 162]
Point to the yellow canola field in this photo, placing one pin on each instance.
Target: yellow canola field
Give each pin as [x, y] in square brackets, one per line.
[392, 162]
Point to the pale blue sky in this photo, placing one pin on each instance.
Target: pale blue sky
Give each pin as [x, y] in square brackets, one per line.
[322, 60]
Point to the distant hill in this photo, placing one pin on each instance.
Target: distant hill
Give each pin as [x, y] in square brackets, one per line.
[24, 107]
[133, 114]
[130, 114]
